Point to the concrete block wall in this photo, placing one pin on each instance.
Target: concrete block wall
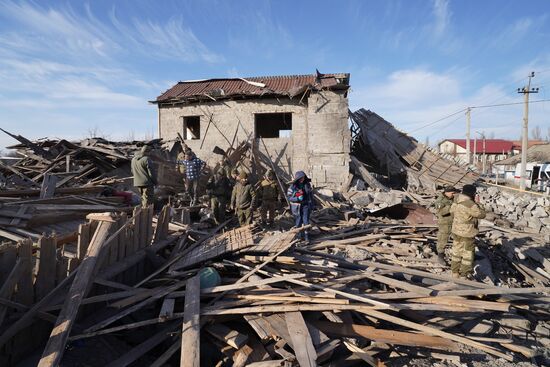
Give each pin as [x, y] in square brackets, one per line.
[328, 138]
[318, 145]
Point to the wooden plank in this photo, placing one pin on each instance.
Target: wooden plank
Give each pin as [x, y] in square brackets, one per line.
[303, 345]
[167, 309]
[47, 188]
[8, 286]
[190, 339]
[58, 338]
[384, 336]
[25, 290]
[159, 293]
[436, 332]
[46, 264]
[83, 240]
[229, 336]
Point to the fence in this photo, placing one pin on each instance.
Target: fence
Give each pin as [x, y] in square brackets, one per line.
[35, 277]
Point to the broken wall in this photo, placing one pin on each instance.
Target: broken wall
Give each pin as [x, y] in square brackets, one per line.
[318, 144]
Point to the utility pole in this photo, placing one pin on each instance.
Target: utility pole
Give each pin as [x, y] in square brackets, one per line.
[468, 157]
[475, 152]
[483, 157]
[525, 131]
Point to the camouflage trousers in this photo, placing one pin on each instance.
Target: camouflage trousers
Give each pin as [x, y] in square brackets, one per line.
[462, 261]
[147, 194]
[268, 207]
[244, 216]
[218, 204]
[443, 233]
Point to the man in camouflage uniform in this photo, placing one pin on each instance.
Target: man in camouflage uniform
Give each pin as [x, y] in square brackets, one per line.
[145, 176]
[218, 188]
[466, 212]
[269, 194]
[444, 220]
[243, 199]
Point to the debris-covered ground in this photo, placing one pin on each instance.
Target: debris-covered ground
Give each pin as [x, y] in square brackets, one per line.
[88, 279]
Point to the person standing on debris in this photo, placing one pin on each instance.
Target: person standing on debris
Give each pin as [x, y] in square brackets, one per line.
[444, 220]
[269, 195]
[192, 169]
[466, 212]
[145, 177]
[300, 195]
[243, 200]
[218, 188]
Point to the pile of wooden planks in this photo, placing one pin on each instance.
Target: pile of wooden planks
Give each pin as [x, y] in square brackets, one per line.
[48, 166]
[365, 293]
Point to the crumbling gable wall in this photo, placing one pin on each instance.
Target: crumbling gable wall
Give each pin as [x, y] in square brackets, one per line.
[318, 144]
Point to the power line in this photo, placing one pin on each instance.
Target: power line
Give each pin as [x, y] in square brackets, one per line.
[509, 104]
[436, 121]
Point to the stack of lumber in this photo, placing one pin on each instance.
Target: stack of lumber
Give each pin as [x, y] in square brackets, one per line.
[367, 293]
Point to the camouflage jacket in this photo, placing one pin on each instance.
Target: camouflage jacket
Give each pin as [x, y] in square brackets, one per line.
[443, 209]
[268, 191]
[466, 214]
[243, 196]
[219, 186]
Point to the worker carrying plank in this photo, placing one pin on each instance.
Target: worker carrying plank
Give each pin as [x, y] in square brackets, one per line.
[466, 212]
[145, 176]
[444, 220]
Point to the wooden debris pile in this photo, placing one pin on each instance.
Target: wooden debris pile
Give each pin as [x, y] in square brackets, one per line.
[49, 165]
[361, 293]
[398, 160]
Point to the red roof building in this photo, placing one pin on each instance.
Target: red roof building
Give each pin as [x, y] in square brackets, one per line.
[492, 146]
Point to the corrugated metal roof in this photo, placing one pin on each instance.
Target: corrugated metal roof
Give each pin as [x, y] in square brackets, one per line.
[492, 146]
[283, 85]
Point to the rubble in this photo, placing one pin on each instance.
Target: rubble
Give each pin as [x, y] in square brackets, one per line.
[109, 284]
[525, 211]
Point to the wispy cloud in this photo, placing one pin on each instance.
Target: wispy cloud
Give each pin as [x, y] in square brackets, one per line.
[442, 17]
[414, 98]
[518, 31]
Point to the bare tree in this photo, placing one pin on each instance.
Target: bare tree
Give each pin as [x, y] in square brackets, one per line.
[95, 132]
[536, 133]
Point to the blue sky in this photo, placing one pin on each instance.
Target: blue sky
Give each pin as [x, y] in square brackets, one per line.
[68, 67]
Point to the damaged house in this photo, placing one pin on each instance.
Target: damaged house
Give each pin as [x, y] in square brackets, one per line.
[299, 121]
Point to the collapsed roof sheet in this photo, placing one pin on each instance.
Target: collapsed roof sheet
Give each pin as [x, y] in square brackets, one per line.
[283, 85]
[400, 153]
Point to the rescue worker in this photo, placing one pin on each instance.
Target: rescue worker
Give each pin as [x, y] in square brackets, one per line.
[145, 176]
[300, 195]
[466, 212]
[269, 194]
[192, 168]
[444, 220]
[218, 188]
[243, 199]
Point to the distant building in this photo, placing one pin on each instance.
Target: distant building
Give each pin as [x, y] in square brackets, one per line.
[495, 149]
[537, 168]
[301, 120]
